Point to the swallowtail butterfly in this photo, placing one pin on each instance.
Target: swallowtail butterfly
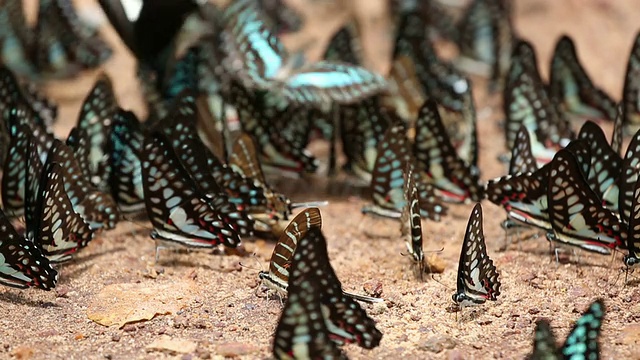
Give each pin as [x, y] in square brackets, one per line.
[23, 264]
[570, 85]
[388, 179]
[124, 149]
[277, 278]
[17, 38]
[317, 316]
[411, 222]
[527, 103]
[522, 159]
[477, 276]
[581, 343]
[96, 207]
[486, 35]
[63, 44]
[633, 230]
[576, 214]
[606, 165]
[178, 210]
[455, 180]
[255, 56]
[56, 226]
[629, 177]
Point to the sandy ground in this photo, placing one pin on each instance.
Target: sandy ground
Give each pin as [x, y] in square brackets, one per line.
[211, 302]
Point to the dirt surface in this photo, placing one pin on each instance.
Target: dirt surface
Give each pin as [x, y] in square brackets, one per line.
[210, 301]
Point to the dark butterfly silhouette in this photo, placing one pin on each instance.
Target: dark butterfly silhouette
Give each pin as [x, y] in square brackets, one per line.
[581, 343]
[17, 38]
[124, 149]
[178, 210]
[63, 45]
[436, 158]
[570, 85]
[477, 276]
[631, 88]
[318, 317]
[486, 35]
[527, 103]
[257, 58]
[277, 278]
[576, 214]
[25, 93]
[388, 179]
[23, 264]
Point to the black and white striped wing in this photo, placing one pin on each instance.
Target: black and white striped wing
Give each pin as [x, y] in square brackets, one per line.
[174, 205]
[522, 159]
[477, 276]
[410, 221]
[576, 214]
[629, 177]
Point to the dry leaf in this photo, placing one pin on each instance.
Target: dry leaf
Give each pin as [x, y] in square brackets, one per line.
[119, 304]
[173, 346]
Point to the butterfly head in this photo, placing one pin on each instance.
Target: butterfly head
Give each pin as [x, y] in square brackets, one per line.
[631, 261]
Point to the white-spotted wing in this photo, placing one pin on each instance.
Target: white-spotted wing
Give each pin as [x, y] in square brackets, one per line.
[477, 276]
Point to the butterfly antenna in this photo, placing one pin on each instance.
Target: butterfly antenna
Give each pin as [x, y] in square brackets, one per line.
[439, 282]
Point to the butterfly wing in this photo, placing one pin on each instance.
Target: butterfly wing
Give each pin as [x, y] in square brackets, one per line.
[344, 46]
[575, 212]
[410, 220]
[582, 342]
[277, 277]
[23, 264]
[631, 88]
[174, 206]
[522, 159]
[437, 158]
[15, 171]
[477, 276]
[544, 343]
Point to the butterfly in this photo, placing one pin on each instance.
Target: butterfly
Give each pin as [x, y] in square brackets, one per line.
[524, 195]
[22, 128]
[437, 160]
[631, 88]
[96, 118]
[26, 93]
[362, 128]
[23, 264]
[244, 161]
[629, 177]
[388, 179]
[317, 316]
[257, 58]
[575, 212]
[570, 85]
[63, 45]
[434, 14]
[180, 128]
[606, 165]
[477, 276]
[581, 343]
[522, 159]
[414, 55]
[411, 222]
[486, 35]
[17, 38]
[124, 147]
[274, 150]
[527, 103]
[51, 220]
[277, 278]
[632, 258]
[178, 210]
[96, 207]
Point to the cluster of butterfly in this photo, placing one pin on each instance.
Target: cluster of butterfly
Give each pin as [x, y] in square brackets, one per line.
[200, 190]
[58, 46]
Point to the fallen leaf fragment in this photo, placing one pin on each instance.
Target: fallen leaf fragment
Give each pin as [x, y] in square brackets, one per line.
[172, 346]
[120, 304]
